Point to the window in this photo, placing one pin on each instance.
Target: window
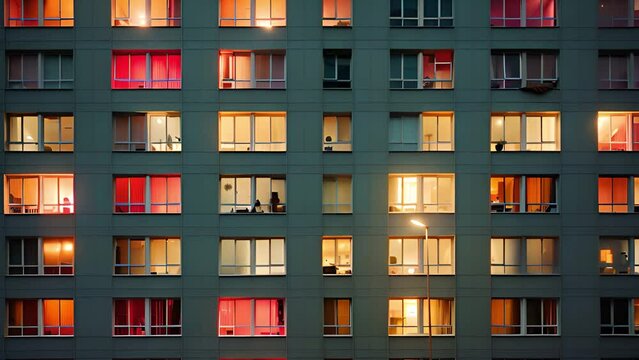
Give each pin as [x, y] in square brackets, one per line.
[337, 132]
[415, 256]
[40, 70]
[251, 317]
[619, 316]
[516, 256]
[39, 317]
[142, 13]
[132, 194]
[264, 69]
[147, 317]
[49, 13]
[336, 13]
[524, 132]
[39, 132]
[252, 131]
[618, 256]
[428, 193]
[146, 256]
[147, 132]
[246, 13]
[337, 194]
[618, 131]
[524, 316]
[523, 194]
[337, 317]
[523, 13]
[40, 256]
[337, 69]
[147, 69]
[252, 194]
[617, 194]
[533, 70]
[421, 13]
[618, 13]
[427, 69]
[39, 194]
[337, 255]
[436, 131]
[618, 70]
[411, 316]
[258, 256]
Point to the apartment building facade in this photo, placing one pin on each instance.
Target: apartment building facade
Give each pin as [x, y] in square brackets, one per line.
[246, 179]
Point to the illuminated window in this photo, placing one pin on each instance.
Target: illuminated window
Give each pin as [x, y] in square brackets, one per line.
[337, 317]
[524, 132]
[618, 256]
[39, 194]
[252, 257]
[436, 131]
[48, 13]
[619, 316]
[336, 13]
[523, 194]
[251, 317]
[252, 194]
[264, 69]
[512, 256]
[337, 132]
[40, 256]
[132, 194]
[616, 194]
[414, 256]
[146, 256]
[252, 131]
[248, 13]
[337, 194]
[147, 132]
[427, 69]
[428, 193]
[40, 70]
[426, 13]
[146, 13]
[411, 316]
[539, 73]
[142, 69]
[524, 316]
[618, 70]
[618, 131]
[40, 132]
[337, 69]
[523, 13]
[147, 317]
[337, 255]
[39, 317]
[618, 13]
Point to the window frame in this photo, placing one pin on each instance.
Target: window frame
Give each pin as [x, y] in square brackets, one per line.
[632, 63]
[523, 18]
[231, 83]
[522, 206]
[524, 80]
[422, 20]
[523, 323]
[623, 267]
[335, 326]
[337, 21]
[523, 265]
[339, 56]
[68, 206]
[148, 327]
[41, 80]
[148, 204]
[40, 326]
[329, 180]
[247, 208]
[149, 145]
[335, 268]
[64, 21]
[337, 145]
[421, 82]
[434, 268]
[253, 145]
[147, 16]
[422, 145]
[252, 266]
[40, 141]
[523, 143]
[630, 122]
[421, 325]
[40, 267]
[253, 328]
[630, 19]
[148, 83]
[147, 266]
[420, 196]
[632, 319]
[254, 21]
[631, 204]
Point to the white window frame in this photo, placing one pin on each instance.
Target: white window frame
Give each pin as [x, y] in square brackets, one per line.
[254, 21]
[148, 19]
[422, 20]
[41, 18]
[402, 80]
[252, 266]
[522, 266]
[631, 142]
[630, 19]
[337, 145]
[253, 327]
[253, 145]
[626, 267]
[523, 143]
[148, 77]
[523, 16]
[341, 268]
[632, 203]
[147, 328]
[419, 206]
[336, 326]
[632, 325]
[422, 327]
[39, 142]
[500, 83]
[40, 266]
[174, 145]
[40, 207]
[253, 81]
[421, 82]
[422, 143]
[62, 83]
[523, 320]
[337, 20]
[40, 327]
[404, 269]
[335, 82]
[246, 208]
[503, 207]
[632, 78]
[328, 180]
[147, 266]
[148, 205]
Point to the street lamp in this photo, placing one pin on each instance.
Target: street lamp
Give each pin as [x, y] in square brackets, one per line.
[427, 265]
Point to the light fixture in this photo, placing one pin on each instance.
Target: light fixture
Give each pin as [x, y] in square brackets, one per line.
[417, 223]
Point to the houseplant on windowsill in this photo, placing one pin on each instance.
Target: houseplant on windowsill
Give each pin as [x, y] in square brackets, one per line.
[499, 146]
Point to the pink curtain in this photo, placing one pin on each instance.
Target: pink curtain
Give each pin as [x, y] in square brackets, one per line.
[121, 71]
[137, 194]
[174, 194]
[159, 71]
[175, 71]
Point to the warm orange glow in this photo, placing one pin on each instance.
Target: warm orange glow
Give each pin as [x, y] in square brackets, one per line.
[605, 256]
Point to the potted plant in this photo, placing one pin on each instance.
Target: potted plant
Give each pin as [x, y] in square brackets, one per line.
[499, 146]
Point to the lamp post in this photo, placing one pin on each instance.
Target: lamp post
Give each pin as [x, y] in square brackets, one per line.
[427, 265]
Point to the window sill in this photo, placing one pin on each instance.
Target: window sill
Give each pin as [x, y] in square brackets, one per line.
[254, 213]
[423, 335]
[421, 275]
[39, 275]
[38, 336]
[250, 152]
[338, 336]
[251, 336]
[425, 89]
[146, 275]
[252, 27]
[420, 151]
[250, 275]
[527, 275]
[144, 27]
[37, 152]
[526, 335]
[145, 213]
[421, 27]
[145, 88]
[145, 336]
[32, 214]
[245, 89]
